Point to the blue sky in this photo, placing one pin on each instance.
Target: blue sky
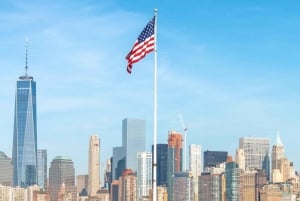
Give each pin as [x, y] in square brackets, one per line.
[231, 69]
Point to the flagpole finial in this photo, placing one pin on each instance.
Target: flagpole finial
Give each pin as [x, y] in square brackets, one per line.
[155, 10]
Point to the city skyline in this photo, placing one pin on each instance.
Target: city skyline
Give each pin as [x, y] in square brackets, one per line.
[229, 68]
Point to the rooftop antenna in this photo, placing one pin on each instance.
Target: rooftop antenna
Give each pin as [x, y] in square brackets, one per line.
[26, 56]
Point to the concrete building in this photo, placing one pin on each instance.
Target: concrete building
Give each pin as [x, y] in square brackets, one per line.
[195, 156]
[6, 170]
[210, 187]
[240, 158]
[182, 187]
[144, 174]
[127, 186]
[62, 171]
[255, 150]
[94, 165]
[82, 183]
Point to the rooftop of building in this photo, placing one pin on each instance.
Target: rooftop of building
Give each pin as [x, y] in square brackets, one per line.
[2, 154]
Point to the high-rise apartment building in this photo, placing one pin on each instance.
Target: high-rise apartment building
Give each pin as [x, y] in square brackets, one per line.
[127, 186]
[94, 165]
[162, 162]
[255, 150]
[144, 174]
[183, 188]
[24, 153]
[42, 168]
[6, 169]
[210, 187]
[174, 159]
[133, 140]
[213, 158]
[240, 158]
[195, 165]
[62, 171]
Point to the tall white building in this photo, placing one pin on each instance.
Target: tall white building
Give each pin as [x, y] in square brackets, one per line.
[144, 174]
[195, 165]
[255, 150]
[94, 166]
[240, 158]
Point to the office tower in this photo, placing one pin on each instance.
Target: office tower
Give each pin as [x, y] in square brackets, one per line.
[266, 166]
[240, 158]
[232, 176]
[182, 187]
[161, 163]
[42, 168]
[94, 165]
[6, 169]
[277, 153]
[118, 162]
[195, 165]
[127, 186]
[108, 174]
[210, 187]
[144, 174]
[114, 190]
[61, 171]
[24, 153]
[255, 150]
[82, 182]
[133, 140]
[251, 183]
[174, 159]
[213, 158]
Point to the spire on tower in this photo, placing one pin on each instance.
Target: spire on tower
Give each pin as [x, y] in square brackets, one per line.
[278, 141]
[26, 57]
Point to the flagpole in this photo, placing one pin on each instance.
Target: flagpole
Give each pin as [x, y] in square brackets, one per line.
[155, 111]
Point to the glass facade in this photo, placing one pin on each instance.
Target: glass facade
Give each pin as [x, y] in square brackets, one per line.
[133, 140]
[24, 154]
[42, 168]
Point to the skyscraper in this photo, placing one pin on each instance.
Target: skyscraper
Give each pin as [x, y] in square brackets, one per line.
[94, 165]
[277, 153]
[133, 140]
[174, 159]
[255, 150]
[195, 166]
[233, 184]
[162, 162]
[144, 174]
[5, 170]
[61, 171]
[127, 186]
[42, 168]
[118, 162]
[213, 158]
[24, 153]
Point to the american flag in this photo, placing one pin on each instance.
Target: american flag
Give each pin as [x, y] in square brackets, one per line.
[143, 45]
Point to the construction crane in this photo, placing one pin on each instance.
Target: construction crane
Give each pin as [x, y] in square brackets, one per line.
[185, 133]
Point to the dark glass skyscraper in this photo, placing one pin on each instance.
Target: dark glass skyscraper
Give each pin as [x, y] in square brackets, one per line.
[162, 162]
[42, 168]
[24, 153]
